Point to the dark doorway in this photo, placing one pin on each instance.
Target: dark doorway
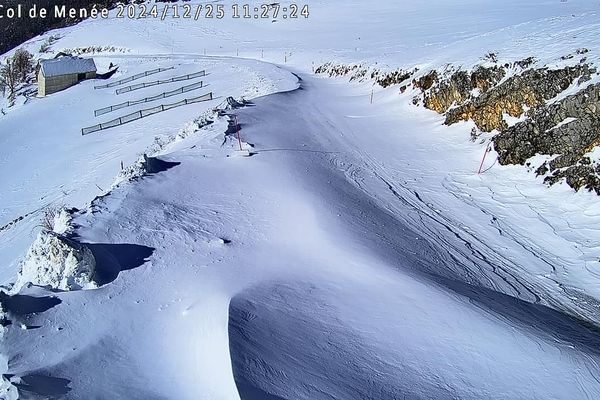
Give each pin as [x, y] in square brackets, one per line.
[80, 77]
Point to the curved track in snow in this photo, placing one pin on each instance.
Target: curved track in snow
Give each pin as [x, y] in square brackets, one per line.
[301, 272]
[303, 340]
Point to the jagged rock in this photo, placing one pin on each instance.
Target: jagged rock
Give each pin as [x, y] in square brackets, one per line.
[525, 63]
[460, 87]
[577, 177]
[531, 89]
[426, 81]
[356, 72]
[456, 90]
[359, 73]
[392, 78]
[569, 127]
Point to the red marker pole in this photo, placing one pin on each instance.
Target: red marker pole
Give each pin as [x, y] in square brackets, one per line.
[237, 132]
[483, 159]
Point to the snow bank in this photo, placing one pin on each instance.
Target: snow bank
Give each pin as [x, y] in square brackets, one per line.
[7, 390]
[55, 261]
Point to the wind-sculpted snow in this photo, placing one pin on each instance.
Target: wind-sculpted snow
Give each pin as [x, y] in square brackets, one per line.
[312, 341]
[330, 242]
[81, 168]
[324, 290]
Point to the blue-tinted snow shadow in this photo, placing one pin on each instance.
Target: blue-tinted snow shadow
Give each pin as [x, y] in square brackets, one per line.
[20, 304]
[155, 165]
[249, 392]
[43, 387]
[278, 348]
[544, 321]
[284, 348]
[111, 259]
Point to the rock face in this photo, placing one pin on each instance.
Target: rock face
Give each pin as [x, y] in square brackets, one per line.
[570, 127]
[531, 89]
[483, 97]
[58, 262]
[567, 128]
[359, 73]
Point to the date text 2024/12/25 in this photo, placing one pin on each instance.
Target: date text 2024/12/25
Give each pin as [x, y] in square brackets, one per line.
[217, 11]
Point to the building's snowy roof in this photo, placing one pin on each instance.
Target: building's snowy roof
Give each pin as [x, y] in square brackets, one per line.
[68, 65]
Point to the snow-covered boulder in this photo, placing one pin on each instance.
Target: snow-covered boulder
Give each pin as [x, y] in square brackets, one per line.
[52, 260]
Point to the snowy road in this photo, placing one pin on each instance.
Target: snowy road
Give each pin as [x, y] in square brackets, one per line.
[374, 358]
[284, 276]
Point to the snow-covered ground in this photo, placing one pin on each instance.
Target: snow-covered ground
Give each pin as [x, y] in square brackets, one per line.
[47, 162]
[351, 252]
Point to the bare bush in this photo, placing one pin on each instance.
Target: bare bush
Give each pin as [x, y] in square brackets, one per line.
[9, 79]
[23, 64]
[49, 218]
[45, 47]
[16, 70]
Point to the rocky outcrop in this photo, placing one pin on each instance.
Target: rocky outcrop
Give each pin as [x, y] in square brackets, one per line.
[359, 73]
[386, 79]
[531, 89]
[565, 129]
[483, 97]
[355, 72]
[461, 87]
[570, 128]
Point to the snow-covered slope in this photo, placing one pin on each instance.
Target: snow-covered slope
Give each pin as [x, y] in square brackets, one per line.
[350, 251]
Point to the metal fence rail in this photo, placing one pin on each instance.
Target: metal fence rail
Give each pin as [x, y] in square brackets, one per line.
[148, 84]
[133, 78]
[144, 113]
[175, 92]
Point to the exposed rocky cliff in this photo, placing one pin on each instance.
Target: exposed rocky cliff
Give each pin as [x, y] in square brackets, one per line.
[359, 73]
[565, 128]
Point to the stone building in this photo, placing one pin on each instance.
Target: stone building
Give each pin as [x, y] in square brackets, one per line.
[63, 72]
